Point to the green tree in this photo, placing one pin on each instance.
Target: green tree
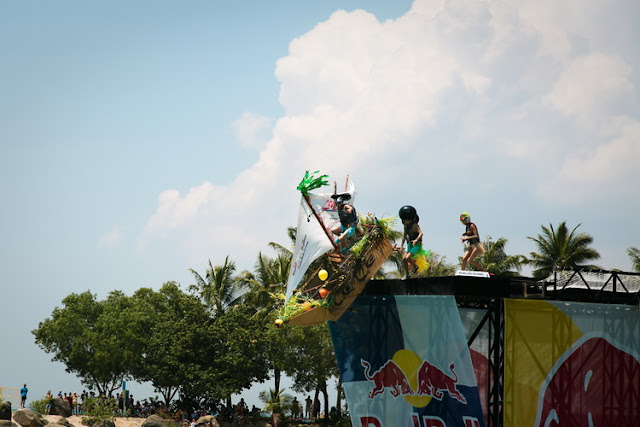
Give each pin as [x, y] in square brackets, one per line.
[234, 356]
[560, 249]
[275, 401]
[634, 256]
[173, 329]
[267, 288]
[269, 280]
[92, 339]
[496, 261]
[314, 362]
[220, 288]
[438, 267]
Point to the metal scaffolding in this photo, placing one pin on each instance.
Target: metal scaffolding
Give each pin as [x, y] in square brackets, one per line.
[596, 286]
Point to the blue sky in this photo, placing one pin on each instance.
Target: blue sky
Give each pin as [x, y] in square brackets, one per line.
[139, 139]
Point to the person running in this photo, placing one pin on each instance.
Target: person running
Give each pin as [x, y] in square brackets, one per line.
[471, 238]
[414, 257]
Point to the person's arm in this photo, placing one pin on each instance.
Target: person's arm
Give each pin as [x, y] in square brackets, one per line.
[417, 239]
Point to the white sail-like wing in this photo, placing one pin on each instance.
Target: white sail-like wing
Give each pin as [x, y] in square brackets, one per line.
[311, 240]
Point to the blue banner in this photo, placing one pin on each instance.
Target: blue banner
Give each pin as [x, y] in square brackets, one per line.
[404, 361]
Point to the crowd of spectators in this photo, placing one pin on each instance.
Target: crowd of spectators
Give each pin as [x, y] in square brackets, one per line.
[125, 405]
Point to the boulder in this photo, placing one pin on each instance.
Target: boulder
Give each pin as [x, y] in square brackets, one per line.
[202, 421]
[60, 407]
[155, 421]
[5, 410]
[63, 422]
[27, 418]
[106, 423]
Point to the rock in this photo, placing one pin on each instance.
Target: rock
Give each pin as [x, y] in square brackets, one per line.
[63, 422]
[5, 410]
[60, 407]
[27, 418]
[106, 423]
[202, 421]
[7, 423]
[155, 421]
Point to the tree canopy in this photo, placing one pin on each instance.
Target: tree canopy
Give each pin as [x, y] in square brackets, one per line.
[560, 249]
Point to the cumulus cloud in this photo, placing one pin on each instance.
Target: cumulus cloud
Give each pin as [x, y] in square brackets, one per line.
[518, 93]
[111, 238]
[592, 86]
[175, 211]
[252, 130]
[609, 170]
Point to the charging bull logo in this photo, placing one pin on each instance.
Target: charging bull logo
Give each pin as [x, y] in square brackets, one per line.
[422, 380]
[388, 376]
[433, 382]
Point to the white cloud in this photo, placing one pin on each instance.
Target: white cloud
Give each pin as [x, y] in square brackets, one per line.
[592, 85]
[448, 89]
[252, 130]
[110, 239]
[175, 211]
[605, 172]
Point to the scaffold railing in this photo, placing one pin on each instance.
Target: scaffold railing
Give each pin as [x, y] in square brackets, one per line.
[12, 395]
[601, 284]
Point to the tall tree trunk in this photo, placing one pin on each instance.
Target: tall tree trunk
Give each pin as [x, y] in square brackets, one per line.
[315, 411]
[276, 378]
[326, 398]
[339, 397]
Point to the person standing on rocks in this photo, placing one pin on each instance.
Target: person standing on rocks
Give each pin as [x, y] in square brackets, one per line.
[23, 396]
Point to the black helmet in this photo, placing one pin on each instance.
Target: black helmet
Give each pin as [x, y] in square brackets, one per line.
[341, 198]
[408, 213]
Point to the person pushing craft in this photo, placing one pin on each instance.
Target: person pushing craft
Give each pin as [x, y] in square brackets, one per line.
[471, 238]
[414, 257]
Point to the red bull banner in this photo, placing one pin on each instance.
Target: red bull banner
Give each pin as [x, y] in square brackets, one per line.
[404, 361]
[571, 364]
[479, 352]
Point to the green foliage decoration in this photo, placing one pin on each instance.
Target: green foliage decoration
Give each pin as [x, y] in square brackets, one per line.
[311, 182]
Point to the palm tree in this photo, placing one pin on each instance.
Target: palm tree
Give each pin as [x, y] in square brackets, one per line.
[282, 250]
[496, 261]
[559, 249]
[220, 288]
[438, 267]
[268, 282]
[276, 402]
[634, 255]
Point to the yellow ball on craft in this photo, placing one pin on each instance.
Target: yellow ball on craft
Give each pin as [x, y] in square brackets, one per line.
[322, 275]
[278, 323]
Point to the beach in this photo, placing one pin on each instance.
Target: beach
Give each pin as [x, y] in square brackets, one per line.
[77, 420]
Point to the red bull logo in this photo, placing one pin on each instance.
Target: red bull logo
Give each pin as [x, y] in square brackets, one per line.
[433, 382]
[388, 376]
[416, 380]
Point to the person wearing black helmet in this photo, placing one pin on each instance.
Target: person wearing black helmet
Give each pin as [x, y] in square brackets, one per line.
[413, 255]
[348, 217]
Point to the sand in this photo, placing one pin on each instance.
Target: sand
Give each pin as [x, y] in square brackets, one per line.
[77, 421]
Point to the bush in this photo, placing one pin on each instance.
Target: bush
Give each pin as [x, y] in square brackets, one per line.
[98, 410]
[39, 406]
